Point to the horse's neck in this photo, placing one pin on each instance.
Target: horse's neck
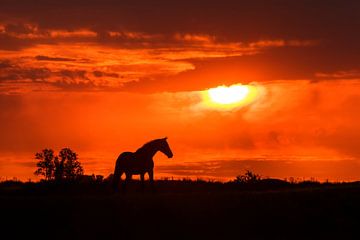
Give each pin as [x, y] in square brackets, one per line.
[147, 151]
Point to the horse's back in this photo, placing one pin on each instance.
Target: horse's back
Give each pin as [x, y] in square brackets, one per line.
[125, 156]
[124, 159]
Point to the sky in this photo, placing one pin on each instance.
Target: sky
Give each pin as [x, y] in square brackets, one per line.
[104, 77]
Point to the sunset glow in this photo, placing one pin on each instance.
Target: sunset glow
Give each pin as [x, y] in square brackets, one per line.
[228, 95]
[231, 97]
[118, 75]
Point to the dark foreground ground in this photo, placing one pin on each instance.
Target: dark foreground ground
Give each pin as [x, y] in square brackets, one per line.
[181, 210]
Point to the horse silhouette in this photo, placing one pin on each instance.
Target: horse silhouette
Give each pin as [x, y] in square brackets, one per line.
[140, 162]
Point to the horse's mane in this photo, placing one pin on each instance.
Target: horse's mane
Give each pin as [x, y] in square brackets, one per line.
[148, 144]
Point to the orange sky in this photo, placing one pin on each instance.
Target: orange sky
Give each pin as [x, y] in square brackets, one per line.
[106, 77]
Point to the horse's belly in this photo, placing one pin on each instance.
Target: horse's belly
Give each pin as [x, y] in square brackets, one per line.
[127, 162]
[135, 168]
[138, 169]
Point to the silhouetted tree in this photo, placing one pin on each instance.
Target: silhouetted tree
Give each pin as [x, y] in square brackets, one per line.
[64, 166]
[45, 164]
[68, 164]
[59, 169]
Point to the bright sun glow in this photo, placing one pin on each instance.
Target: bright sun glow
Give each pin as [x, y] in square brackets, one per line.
[230, 97]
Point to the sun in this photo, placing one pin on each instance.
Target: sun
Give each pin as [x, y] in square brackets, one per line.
[229, 97]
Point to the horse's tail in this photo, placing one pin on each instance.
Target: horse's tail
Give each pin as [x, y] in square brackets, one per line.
[117, 175]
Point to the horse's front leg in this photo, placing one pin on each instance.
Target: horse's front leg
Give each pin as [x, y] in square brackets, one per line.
[127, 180]
[142, 178]
[151, 178]
[116, 181]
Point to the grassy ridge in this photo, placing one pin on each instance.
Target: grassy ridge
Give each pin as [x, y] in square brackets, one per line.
[182, 210]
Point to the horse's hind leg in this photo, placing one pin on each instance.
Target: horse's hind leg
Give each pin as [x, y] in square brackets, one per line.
[117, 180]
[151, 179]
[127, 181]
[142, 177]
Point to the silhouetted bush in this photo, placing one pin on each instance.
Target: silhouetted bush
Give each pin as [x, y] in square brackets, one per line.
[248, 177]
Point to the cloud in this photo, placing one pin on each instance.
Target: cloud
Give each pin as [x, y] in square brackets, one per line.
[23, 74]
[267, 17]
[173, 49]
[9, 43]
[17, 28]
[143, 68]
[46, 58]
[182, 52]
[345, 74]
[104, 74]
[5, 64]
[22, 78]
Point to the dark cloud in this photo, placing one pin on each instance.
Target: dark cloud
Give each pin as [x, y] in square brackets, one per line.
[73, 74]
[18, 28]
[15, 76]
[254, 19]
[76, 86]
[10, 43]
[243, 20]
[60, 59]
[18, 73]
[104, 74]
[5, 64]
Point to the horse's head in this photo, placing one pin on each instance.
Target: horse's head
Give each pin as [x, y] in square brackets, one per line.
[165, 148]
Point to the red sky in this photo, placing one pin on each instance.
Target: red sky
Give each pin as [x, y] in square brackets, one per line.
[103, 77]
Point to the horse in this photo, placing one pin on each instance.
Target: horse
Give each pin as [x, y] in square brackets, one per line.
[140, 162]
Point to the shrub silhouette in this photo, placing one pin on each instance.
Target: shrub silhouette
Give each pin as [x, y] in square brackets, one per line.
[65, 166]
[248, 177]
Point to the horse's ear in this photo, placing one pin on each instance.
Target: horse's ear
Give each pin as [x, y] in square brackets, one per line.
[165, 138]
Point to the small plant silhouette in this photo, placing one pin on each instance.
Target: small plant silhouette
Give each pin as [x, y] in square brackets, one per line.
[248, 177]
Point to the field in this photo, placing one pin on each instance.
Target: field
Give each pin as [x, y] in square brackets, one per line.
[181, 210]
